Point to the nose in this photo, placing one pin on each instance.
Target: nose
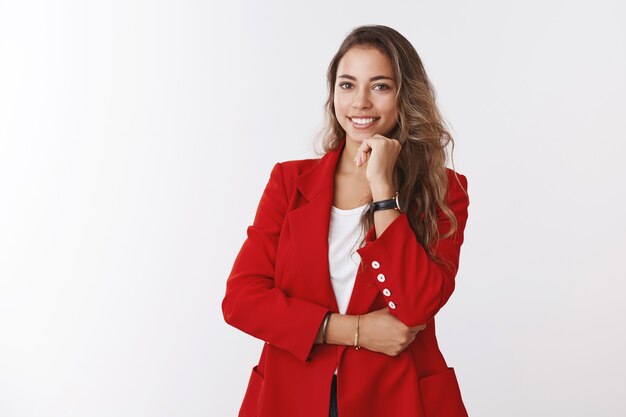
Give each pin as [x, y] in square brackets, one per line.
[361, 99]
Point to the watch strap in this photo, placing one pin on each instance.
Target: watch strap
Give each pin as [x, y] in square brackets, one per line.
[391, 203]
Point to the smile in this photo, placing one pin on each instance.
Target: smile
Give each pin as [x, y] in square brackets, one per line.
[363, 123]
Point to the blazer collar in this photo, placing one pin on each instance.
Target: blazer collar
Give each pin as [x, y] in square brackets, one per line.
[309, 222]
[320, 177]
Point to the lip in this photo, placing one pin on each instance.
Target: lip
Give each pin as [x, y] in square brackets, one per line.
[367, 126]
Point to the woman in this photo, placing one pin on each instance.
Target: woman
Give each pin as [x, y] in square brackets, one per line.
[348, 322]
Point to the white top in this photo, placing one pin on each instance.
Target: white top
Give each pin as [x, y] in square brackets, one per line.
[343, 237]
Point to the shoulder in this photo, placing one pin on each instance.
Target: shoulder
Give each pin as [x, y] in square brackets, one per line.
[456, 181]
[294, 167]
[285, 172]
[457, 195]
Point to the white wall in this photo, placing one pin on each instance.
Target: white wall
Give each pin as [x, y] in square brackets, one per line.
[135, 141]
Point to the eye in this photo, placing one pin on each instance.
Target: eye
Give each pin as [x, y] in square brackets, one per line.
[383, 87]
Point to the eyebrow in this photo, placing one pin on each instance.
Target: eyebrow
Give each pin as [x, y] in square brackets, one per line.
[378, 77]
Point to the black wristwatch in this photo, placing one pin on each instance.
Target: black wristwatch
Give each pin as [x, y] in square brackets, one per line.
[391, 203]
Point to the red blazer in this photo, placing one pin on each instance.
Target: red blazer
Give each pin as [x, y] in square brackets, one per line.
[279, 290]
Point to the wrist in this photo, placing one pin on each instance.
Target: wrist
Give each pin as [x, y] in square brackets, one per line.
[382, 191]
[341, 329]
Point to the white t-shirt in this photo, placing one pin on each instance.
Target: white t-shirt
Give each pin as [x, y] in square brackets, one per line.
[344, 235]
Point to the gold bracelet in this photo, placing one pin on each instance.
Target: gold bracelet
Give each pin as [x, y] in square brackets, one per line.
[356, 336]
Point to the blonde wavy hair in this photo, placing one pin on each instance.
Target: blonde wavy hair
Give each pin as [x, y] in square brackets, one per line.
[420, 172]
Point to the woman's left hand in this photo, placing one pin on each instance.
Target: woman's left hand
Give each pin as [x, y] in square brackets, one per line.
[380, 154]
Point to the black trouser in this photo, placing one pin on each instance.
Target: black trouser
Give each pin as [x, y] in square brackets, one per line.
[333, 398]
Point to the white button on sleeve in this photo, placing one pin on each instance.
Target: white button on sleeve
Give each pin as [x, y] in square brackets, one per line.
[381, 277]
[375, 264]
[392, 305]
[387, 292]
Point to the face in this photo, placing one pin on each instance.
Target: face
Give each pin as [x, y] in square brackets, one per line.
[365, 89]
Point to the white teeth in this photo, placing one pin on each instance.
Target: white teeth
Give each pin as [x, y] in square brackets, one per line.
[363, 121]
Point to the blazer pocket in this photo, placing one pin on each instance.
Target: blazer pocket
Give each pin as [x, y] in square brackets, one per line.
[441, 395]
[252, 398]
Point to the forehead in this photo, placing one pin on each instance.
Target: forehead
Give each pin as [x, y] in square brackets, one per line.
[364, 62]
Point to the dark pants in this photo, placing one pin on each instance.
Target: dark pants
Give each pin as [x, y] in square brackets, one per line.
[333, 398]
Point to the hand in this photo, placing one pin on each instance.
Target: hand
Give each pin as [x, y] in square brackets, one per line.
[380, 331]
[380, 154]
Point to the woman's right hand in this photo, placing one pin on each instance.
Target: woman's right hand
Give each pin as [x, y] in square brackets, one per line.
[380, 331]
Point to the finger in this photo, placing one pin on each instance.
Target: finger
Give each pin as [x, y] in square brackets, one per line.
[364, 157]
[359, 158]
[362, 153]
[365, 145]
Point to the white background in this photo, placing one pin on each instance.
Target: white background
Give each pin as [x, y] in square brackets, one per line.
[136, 139]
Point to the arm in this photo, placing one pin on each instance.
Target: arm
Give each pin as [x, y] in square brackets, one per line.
[417, 287]
[340, 330]
[252, 303]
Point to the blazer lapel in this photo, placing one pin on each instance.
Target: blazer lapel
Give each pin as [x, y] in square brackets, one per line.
[309, 222]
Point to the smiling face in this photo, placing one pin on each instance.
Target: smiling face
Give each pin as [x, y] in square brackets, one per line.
[364, 90]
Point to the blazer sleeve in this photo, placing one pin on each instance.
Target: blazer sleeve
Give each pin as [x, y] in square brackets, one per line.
[414, 286]
[252, 303]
